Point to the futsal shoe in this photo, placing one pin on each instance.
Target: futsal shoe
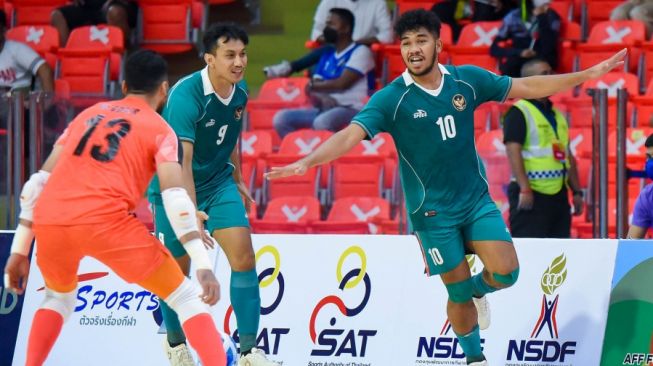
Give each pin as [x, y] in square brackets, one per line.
[483, 310]
[178, 355]
[256, 358]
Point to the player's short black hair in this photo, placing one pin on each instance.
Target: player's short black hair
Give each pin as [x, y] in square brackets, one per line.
[345, 15]
[145, 70]
[416, 19]
[3, 19]
[649, 141]
[218, 30]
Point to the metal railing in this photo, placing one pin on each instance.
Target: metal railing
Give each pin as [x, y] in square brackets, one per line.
[23, 145]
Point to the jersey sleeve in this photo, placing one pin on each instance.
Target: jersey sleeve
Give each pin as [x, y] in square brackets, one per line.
[487, 85]
[181, 112]
[167, 146]
[27, 58]
[361, 60]
[642, 212]
[376, 116]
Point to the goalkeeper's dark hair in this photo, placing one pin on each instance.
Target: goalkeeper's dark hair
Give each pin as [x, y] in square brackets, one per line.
[145, 70]
[219, 30]
[649, 141]
[416, 19]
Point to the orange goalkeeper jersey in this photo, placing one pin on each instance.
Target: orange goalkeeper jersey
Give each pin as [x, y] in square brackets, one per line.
[110, 152]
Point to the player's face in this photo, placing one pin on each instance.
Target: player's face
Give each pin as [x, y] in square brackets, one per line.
[229, 60]
[419, 50]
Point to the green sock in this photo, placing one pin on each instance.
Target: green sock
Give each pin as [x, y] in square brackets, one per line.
[471, 345]
[246, 300]
[174, 332]
[480, 286]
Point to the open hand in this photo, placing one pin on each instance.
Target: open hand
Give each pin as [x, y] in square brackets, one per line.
[606, 66]
[296, 168]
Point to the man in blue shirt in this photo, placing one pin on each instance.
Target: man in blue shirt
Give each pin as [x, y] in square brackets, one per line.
[340, 83]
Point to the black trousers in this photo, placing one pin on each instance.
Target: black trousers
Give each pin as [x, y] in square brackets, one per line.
[550, 216]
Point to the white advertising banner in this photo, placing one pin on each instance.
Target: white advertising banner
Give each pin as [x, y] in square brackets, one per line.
[348, 300]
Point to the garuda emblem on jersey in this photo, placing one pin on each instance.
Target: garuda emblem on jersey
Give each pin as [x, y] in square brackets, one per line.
[459, 102]
[238, 114]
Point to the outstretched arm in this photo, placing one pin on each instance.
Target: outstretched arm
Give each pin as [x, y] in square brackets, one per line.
[541, 86]
[331, 149]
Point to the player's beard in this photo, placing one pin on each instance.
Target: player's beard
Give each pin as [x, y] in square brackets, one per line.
[428, 69]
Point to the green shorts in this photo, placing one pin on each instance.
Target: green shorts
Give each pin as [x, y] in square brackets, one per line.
[444, 248]
[225, 209]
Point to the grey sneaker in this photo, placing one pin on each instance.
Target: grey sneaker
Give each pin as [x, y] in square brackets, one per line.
[178, 355]
[256, 358]
[279, 70]
[480, 363]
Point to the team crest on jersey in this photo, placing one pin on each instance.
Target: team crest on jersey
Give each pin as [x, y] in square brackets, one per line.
[238, 114]
[459, 102]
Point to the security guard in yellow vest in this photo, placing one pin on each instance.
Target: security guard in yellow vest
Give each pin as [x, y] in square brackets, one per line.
[537, 143]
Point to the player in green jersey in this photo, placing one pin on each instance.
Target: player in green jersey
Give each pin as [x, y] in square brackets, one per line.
[429, 111]
[206, 111]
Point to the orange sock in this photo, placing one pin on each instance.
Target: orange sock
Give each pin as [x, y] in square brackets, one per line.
[46, 327]
[202, 335]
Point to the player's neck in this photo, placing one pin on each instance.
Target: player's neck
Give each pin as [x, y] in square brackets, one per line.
[221, 86]
[430, 81]
[343, 44]
[151, 101]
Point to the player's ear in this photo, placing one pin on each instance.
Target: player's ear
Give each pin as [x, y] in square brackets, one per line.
[123, 87]
[209, 59]
[163, 90]
[438, 45]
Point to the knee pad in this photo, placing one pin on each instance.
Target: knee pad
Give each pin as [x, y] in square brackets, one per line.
[61, 302]
[507, 279]
[460, 292]
[185, 301]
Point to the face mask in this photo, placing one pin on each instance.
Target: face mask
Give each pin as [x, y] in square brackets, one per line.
[330, 35]
[649, 168]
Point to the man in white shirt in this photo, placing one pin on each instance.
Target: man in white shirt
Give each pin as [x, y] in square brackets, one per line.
[18, 63]
[340, 83]
[373, 25]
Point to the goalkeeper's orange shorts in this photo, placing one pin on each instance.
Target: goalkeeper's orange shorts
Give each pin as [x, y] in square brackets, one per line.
[124, 245]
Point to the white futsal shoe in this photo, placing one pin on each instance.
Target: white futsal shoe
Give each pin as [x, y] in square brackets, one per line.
[483, 310]
[256, 358]
[178, 355]
[480, 363]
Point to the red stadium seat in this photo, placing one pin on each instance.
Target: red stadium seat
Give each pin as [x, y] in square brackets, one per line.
[609, 37]
[580, 142]
[167, 25]
[276, 94]
[595, 11]
[255, 147]
[492, 151]
[43, 39]
[100, 38]
[635, 149]
[34, 12]
[87, 72]
[565, 9]
[473, 46]
[381, 146]
[357, 176]
[613, 81]
[356, 214]
[570, 36]
[288, 214]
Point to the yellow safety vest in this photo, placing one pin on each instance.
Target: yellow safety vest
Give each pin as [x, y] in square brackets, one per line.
[546, 172]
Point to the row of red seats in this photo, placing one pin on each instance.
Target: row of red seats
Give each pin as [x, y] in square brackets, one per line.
[350, 215]
[369, 170]
[166, 26]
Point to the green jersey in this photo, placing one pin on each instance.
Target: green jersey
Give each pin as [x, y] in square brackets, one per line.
[441, 173]
[213, 124]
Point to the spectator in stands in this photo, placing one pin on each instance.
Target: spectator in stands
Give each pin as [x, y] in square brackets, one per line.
[373, 25]
[533, 32]
[456, 12]
[340, 83]
[537, 142]
[643, 212]
[119, 13]
[19, 63]
[641, 10]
